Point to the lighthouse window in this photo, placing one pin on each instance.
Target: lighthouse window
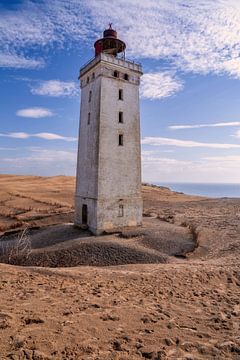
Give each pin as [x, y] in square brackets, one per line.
[120, 139]
[89, 118]
[116, 74]
[120, 211]
[120, 117]
[120, 94]
[90, 96]
[126, 77]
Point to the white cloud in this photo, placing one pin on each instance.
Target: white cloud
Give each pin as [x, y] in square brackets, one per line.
[34, 112]
[159, 141]
[42, 24]
[12, 60]
[159, 85]
[237, 135]
[221, 169]
[45, 136]
[16, 135]
[231, 158]
[148, 152]
[155, 152]
[198, 126]
[50, 136]
[158, 160]
[49, 155]
[41, 161]
[56, 88]
[195, 36]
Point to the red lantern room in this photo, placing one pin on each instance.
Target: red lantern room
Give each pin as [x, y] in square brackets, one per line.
[109, 44]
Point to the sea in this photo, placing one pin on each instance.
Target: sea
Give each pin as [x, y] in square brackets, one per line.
[209, 190]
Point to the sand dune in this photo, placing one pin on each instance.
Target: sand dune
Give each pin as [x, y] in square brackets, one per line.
[35, 201]
[167, 290]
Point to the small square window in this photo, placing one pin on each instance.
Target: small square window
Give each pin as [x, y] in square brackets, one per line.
[120, 117]
[120, 139]
[126, 77]
[120, 94]
[116, 74]
[93, 76]
[89, 118]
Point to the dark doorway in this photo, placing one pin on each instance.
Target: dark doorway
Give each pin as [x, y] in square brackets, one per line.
[84, 214]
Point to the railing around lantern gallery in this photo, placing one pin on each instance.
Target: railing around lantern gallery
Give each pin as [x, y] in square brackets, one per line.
[114, 60]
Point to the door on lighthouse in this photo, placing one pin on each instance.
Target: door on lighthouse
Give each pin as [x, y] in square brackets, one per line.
[84, 214]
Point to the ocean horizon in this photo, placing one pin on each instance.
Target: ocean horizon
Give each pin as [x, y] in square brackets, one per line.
[204, 189]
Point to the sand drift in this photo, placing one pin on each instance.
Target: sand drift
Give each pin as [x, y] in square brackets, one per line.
[67, 246]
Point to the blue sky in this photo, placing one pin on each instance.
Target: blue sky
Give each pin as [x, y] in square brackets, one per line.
[190, 90]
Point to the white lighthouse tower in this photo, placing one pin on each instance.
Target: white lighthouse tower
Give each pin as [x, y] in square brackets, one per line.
[108, 188]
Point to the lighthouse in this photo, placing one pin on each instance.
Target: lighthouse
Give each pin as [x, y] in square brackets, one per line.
[108, 183]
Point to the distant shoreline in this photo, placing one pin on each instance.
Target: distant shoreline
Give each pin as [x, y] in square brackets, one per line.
[211, 190]
[203, 189]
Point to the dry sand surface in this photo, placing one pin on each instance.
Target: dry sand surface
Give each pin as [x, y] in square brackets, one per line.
[35, 201]
[167, 290]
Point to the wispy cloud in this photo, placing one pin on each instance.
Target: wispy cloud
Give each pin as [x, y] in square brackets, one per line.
[34, 112]
[159, 85]
[51, 155]
[56, 88]
[159, 141]
[8, 149]
[225, 169]
[41, 24]
[237, 134]
[198, 126]
[50, 136]
[12, 60]
[195, 36]
[158, 160]
[41, 161]
[231, 158]
[45, 136]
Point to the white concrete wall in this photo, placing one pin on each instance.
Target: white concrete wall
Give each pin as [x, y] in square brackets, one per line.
[109, 175]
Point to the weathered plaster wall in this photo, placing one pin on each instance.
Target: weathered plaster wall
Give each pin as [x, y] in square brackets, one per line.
[109, 175]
